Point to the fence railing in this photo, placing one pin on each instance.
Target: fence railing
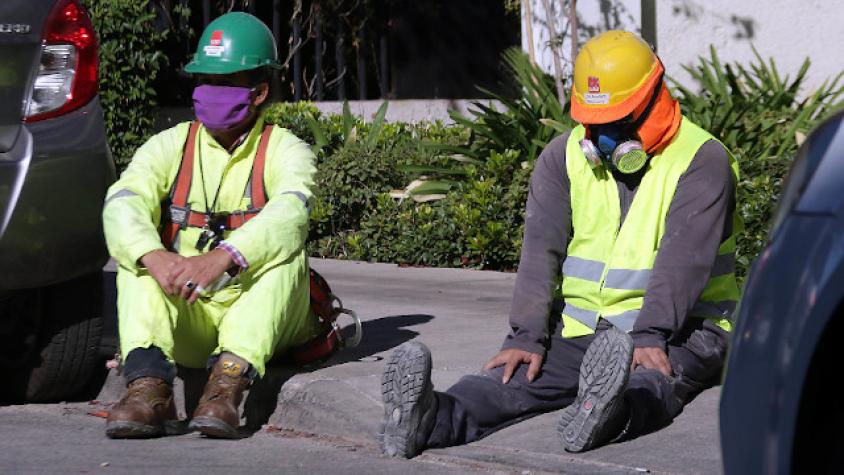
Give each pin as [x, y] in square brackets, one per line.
[327, 55]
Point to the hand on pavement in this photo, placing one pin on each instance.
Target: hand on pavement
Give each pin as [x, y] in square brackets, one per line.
[159, 263]
[511, 359]
[201, 271]
[651, 358]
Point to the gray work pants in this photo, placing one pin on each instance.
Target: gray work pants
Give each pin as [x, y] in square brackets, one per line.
[480, 404]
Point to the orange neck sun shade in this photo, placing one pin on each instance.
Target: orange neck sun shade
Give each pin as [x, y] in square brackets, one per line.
[661, 124]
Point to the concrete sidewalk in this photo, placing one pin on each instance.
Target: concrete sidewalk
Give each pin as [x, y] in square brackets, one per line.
[462, 316]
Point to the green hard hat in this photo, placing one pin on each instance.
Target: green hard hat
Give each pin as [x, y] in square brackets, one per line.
[234, 42]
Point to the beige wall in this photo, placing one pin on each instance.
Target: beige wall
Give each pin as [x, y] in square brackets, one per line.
[788, 30]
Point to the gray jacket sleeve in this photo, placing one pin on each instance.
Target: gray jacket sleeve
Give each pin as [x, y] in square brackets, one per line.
[698, 221]
[547, 224]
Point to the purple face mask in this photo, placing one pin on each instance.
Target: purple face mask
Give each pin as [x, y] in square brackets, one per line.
[221, 107]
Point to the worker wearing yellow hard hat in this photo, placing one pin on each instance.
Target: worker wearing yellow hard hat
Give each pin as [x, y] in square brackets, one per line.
[626, 285]
[618, 80]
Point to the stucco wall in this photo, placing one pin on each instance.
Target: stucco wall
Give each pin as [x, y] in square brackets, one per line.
[787, 30]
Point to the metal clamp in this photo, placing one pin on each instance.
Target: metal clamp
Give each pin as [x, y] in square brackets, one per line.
[338, 309]
[179, 215]
[355, 339]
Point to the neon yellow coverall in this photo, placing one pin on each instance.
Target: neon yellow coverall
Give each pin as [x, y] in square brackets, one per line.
[262, 310]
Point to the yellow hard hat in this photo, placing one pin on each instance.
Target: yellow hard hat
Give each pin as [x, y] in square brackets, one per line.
[614, 73]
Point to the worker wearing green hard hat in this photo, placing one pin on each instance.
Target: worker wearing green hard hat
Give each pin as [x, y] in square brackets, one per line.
[234, 42]
[208, 225]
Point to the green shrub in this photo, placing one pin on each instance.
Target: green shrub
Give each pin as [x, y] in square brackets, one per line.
[293, 116]
[523, 123]
[130, 61]
[407, 232]
[489, 210]
[479, 224]
[358, 162]
[758, 115]
[348, 183]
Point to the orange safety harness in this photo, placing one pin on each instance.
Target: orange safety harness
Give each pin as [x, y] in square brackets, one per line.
[177, 215]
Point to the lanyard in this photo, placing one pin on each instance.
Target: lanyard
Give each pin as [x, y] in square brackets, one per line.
[204, 188]
[215, 222]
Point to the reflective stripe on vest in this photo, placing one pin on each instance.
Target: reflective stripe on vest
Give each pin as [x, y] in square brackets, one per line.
[585, 269]
[626, 279]
[608, 266]
[589, 318]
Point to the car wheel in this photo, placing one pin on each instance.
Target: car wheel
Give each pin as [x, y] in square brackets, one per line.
[65, 353]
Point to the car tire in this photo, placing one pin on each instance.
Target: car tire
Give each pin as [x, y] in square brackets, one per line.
[68, 353]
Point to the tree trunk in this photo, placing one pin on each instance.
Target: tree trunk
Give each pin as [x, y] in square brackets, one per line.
[297, 57]
[340, 59]
[529, 30]
[318, 52]
[558, 70]
[360, 47]
[573, 23]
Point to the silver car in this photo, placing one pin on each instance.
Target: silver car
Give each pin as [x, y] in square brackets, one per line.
[55, 166]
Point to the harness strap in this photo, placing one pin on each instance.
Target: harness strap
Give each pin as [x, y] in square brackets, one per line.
[259, 193]
[177, 215]
[180, 191]
[232, 221]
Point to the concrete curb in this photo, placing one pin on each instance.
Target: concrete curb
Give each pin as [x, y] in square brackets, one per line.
[462, 316]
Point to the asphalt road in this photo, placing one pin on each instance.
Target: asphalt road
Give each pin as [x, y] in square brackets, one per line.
[64, 439]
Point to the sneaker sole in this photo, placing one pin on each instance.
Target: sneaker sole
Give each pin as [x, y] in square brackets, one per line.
[404, 381]
[603, 376]
[566, 416]
[214, 428]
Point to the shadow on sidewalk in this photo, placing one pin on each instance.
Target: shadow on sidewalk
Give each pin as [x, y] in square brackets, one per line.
[379, 335]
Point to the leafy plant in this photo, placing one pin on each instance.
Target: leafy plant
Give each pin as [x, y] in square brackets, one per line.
[758, 114]
[294, 116]
[478, 225]
[348, 183]
[130, 60]
[523, 124]
[525, 121]
[352, 131]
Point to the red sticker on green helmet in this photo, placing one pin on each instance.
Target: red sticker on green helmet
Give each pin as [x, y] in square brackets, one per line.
[215, 45]
[217, 38]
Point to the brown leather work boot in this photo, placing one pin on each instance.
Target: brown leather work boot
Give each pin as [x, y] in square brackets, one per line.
[217, 413]
[146, 410]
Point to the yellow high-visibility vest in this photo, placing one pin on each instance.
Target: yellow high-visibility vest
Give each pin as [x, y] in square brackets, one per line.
[608, 266]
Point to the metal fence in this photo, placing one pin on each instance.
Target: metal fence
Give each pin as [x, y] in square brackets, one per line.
[359, 49]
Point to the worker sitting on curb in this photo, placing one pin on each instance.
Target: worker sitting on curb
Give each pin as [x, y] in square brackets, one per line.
[629, 246]
[208, 225]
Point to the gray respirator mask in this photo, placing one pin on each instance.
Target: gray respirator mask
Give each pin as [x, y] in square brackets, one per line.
[617, 144]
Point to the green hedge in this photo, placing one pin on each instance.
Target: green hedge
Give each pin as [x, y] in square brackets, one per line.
[759, 115]
[130, 61]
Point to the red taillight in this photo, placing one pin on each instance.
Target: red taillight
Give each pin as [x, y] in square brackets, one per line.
[67, 75]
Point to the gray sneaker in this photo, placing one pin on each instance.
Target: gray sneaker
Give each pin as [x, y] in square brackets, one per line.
[410, 407]
[595, 417]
